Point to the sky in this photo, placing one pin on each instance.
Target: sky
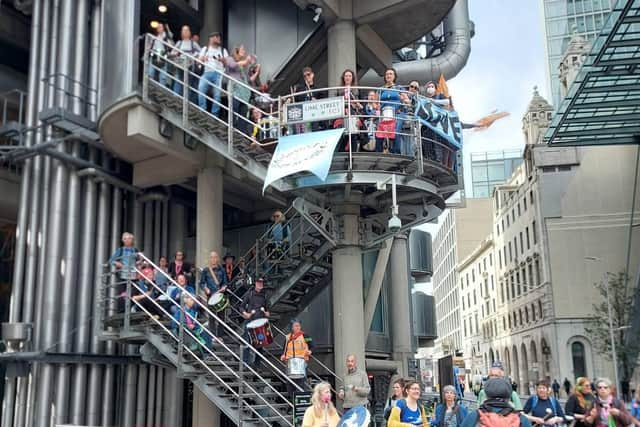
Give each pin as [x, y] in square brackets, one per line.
[507, 60]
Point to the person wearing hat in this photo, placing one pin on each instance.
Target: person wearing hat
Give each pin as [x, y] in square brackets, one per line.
[497, 408]
[214, 57]
[296, 346]
[213, 280]
[497, 371]
[255, 305]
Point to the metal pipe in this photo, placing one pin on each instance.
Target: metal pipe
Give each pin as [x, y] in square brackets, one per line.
[102, 238]
[69, 288]
[95, 60]
[108, 409]
[457, 30]
[104, 176]
[49, 325]
[66, 47]
[148, 227]
[141, 394]
[159, 395]
[8, 402]
[157, 227]
[80, 62]
[85, 286]
[128, 412]
[151, 398]
[164, 247]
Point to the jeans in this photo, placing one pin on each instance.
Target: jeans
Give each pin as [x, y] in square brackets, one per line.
[240, 115]
[177, 84]
[158, 73]
[407, 147]
[210, 78]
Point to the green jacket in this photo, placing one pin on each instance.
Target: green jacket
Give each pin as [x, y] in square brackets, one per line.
[515, 400]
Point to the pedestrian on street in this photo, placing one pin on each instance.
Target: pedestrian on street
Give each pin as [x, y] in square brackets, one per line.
[556, 388]
[567, 385]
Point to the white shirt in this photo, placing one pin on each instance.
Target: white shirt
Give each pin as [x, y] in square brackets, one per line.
[210, 54]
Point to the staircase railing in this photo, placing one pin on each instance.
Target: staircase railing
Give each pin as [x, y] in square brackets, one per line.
[111, 295]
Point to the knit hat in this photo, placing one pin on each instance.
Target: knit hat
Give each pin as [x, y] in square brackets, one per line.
[497, 388]
[497, 364]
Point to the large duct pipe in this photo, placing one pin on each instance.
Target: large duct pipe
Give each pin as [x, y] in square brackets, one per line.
[141, 395]
[159, 396]
[164, 247]
[80, 63]
[69, 290]
[457, 31]
[157, 230]
[151, 396]
[148, 228]
[82, 336]
[95, 60]
[129, 410]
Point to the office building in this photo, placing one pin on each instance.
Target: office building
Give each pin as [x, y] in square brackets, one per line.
[492, 168]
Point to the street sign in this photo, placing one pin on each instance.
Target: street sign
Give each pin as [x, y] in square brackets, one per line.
[312, 111]
[301, 401]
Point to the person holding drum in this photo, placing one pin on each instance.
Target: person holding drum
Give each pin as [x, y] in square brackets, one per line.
[296, 356]
[213, 282]
[255, 310]
[321, 413]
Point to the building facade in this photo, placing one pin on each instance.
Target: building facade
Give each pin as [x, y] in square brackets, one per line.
[491, 168]
[561, 19]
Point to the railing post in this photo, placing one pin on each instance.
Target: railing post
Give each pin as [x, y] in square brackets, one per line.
[241, 386]
[230, 114]
[418, 138]
[181, 336]
[349, 130]
[145, 69]
[185, 91]
[127, 306]
[257, 258]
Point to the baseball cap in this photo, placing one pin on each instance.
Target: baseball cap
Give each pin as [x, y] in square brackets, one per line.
[497, 364]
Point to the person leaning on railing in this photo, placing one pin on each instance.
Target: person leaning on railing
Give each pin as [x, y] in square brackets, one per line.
[124, 258]
[241, 68]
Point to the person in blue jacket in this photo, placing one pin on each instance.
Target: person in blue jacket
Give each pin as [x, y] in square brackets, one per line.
[449, 413]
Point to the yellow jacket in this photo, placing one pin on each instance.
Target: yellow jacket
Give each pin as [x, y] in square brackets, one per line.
[310, 419]
[394, 418]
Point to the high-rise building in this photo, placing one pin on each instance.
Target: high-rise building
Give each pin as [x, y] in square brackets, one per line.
[491, 168]
[561, 19]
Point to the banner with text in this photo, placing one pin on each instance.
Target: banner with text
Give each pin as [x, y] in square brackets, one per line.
[311, 152]
[443, 122]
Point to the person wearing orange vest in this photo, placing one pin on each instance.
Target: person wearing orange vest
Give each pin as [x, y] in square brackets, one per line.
[296, 346]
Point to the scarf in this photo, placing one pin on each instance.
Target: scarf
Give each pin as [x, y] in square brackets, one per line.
[296, 335]
[606, 419]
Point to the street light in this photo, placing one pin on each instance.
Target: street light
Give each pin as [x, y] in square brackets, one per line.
[614, 354]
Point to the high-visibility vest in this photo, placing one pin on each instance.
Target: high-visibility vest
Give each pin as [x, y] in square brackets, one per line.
[296, 348]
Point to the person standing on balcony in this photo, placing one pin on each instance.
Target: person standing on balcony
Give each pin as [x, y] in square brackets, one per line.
[186, 46]
[243, 70]
[213, 55]
[124, 258]
[306, 91]
[389, 96]
[158, 53]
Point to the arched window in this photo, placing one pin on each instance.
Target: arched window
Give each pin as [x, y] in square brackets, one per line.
[578, 356]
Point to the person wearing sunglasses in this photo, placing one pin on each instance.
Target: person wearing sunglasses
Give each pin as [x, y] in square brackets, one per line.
[608, 410]
[580, 402]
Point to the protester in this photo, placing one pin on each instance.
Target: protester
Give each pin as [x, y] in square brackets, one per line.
[124, 258]
[214, 56]
[255, 305]
[408, 411]
[389, 96]
[238, 68]
[186, 46]
[180, 266]
[449, 413]
[396, 394]
[355, 389]
[608, 410]
[497, 371]
[321, 413]
[580, 402]
[159, 51]
[543, 409]
[295, 346]
[496, 409]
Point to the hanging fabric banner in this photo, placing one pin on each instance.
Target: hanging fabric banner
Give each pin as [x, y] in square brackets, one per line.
[310, 152]
[443, 122]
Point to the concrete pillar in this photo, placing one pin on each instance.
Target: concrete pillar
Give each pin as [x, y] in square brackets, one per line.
[401, 330]
[341, 45]
[208, 238]
[177, 218]
[209, 214]
[347, 292]
[211, 20]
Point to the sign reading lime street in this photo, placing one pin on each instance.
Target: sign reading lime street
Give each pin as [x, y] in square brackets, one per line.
[311, 111]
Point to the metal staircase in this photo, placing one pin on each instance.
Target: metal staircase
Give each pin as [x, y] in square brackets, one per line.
[246, 394]
[297, 268]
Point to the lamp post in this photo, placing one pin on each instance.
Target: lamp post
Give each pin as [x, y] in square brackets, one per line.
[614, 353]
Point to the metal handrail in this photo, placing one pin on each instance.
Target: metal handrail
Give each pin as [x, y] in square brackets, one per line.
[204, 363]
[8, 98]
[219, 320]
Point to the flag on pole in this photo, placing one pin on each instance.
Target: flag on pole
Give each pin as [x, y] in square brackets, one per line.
[442, 88]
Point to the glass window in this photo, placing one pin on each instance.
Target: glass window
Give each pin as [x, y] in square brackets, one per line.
[479, 173]
[528, 241]
[578, 357]
[521, 243]
[535, 232]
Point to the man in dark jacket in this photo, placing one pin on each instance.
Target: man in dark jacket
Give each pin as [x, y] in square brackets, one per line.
[498, 391]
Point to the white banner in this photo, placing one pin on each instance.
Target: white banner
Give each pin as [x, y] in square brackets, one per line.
[311, 152]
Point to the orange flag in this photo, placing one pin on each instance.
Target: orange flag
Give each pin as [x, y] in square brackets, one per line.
[442, 87]
[488, 120]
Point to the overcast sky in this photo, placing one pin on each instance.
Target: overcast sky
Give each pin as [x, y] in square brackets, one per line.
[507, 60]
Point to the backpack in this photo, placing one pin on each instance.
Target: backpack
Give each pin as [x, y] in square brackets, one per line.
[554, 404]
[494, 419]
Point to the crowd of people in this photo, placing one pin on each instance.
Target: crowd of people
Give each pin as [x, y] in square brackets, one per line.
[379, 120]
